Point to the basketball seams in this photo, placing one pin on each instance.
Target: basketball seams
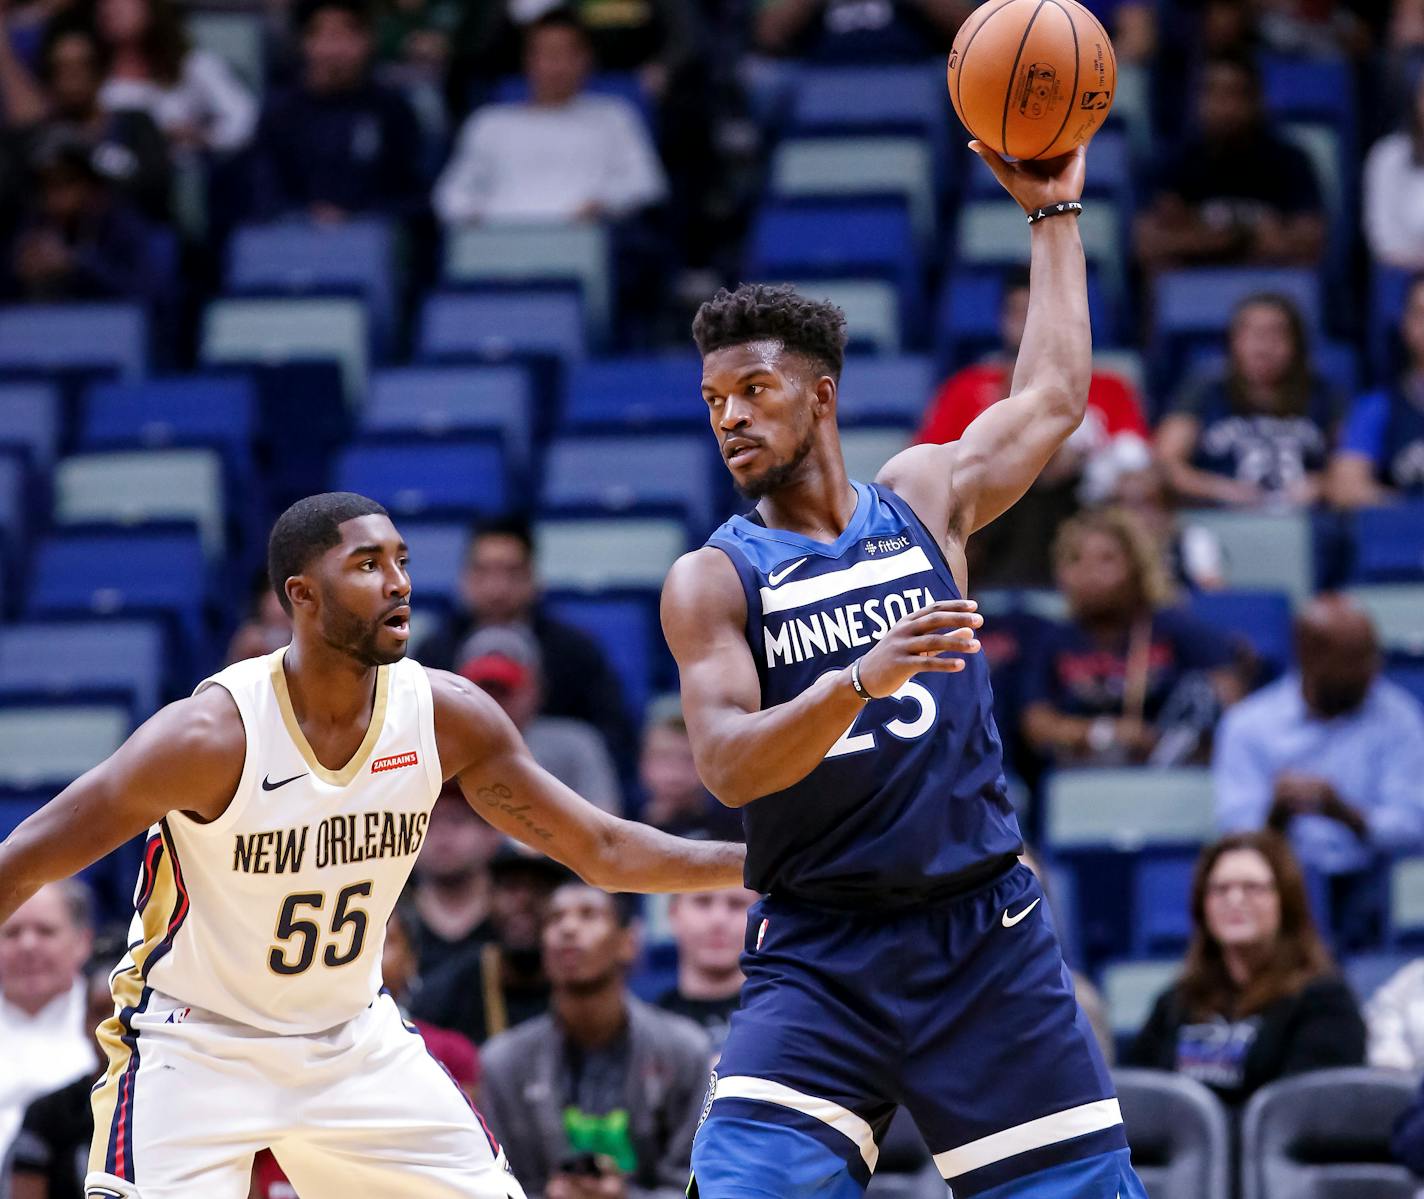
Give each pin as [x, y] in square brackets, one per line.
[964, 56]
[1013, 74]
[1077, 71]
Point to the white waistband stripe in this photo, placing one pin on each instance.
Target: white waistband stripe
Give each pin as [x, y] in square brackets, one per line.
[1046, 1130]
[833, 1114]
[866, 573]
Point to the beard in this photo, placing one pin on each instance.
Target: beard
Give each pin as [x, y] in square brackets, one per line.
[774, 478]
[354, 636]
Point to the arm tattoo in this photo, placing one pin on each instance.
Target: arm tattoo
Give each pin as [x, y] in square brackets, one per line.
[499, 796]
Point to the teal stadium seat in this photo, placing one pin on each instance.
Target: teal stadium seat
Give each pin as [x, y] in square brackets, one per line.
[1126, 808]
[46, 747]
[860, 166]
[1398, 612]
[142, 486]
[598, 553]
[871, 310]
[244, 331]
[439, 401]
[1263, 551]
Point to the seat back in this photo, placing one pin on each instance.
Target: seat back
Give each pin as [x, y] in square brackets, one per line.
[1179, 1134]
[437, 401]
[860, 166]
[492, 324]
[652, 390]
[620, 471]
[867, 450]
[1128, 807]
[51, 746]
[596, 553]
[59, 658]
[30, 421]
[449, 476]
[1398, 612]
[871, 308]
[1262, 551]
[1389, 544]
[1131, 988]
[111, 337]
[182, 410]
[1294, 1144]
[884, 390]
[144, 485]
[287, 330]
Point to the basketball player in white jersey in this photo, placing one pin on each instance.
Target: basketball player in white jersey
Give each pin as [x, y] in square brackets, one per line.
[286, 800]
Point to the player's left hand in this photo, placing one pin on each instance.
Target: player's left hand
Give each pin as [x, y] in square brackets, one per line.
[1037, 182]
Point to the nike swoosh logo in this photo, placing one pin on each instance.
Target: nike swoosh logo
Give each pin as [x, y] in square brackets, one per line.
[1010, 921]
[269, 785]
[777, 575]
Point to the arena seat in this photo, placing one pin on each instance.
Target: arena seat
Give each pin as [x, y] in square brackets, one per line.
[238, 331]
[184, 410]
[1406, 901]
[884, 390]
[1127, 808]
[237, 37]
[1410, 676]
[1398, 612]
[446, 476]
[869, 448]
[1305, 88]
[50, 745]
[993, 232]
[1130, 988]
[1368, 972]
[645, 391]
[617, 471]
[498, 323]
[1265, 551]
[1294, 1145]
[1389, 288]
[597, 553]
[439, 401]
[625, 625]
[1389, 544]
[1179, 1132]
[30, 421]
[437, 555]
[109, 338]
[60, 658]
[1161, 903]
[1109, 174]
[14, 504]
[535, 254]
[144, 486]
[871, 307]
[1260, 618]
[872, 99]
[966, 320]
[860, 166]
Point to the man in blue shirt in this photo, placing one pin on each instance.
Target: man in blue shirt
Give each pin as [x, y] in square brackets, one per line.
[1332, 754]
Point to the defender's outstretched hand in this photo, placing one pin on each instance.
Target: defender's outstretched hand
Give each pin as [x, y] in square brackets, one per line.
[1036, 183]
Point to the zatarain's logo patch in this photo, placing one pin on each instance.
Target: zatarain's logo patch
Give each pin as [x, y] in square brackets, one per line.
[394, 762]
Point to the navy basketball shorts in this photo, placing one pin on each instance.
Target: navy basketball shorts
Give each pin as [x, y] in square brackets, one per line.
[962, 1011]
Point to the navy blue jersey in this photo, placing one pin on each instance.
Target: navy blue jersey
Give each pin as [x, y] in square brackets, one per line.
[911, 802]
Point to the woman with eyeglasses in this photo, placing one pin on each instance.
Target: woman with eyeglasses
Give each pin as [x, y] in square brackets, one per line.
[1259, 997]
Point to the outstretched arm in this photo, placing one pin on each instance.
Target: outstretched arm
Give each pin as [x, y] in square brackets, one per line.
[481, 748]
[959, 488]
[188, 756]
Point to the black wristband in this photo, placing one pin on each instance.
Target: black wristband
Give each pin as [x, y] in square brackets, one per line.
[857, 684]
[1062, 208]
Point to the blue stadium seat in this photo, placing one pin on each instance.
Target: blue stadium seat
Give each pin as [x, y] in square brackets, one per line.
[1110, 174]
[839, 239]
[885, 390]
[1389, 288]
[625, 625]
[61, 658]
[75, 337]
[966, 321]
[30, 421]
[449, 476]
[437, 554]
[1261, 618]
[872, 99]
[647, 391]
[1368, 972]
[1161, 907]
[615, 472]
[1410, 676]
[1310, 89]
[440, 401]
[305, 258]
[14, 508]
[194, 410]
[501, 323]
[1389, 544]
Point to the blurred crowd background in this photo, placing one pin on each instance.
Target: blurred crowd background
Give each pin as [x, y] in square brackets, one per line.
[446, 252]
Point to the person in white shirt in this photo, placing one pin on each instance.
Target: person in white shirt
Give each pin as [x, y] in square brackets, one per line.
[1394, 1018]
[1394, 193]
[562, 155]
[43, 948]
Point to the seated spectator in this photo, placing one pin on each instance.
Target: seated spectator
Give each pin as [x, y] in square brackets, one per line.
[1193, 554]
[83, 241]
[43, 1000]
[1381, 454]
[1394, 1019]
[337, 143]
[504, 662]
[1014, 550]
[564, 155]
[710, 928]
[674, 798]
[1259, 998]
[1126, 679]
[191, 94]
[486, 988]
[1256, 432]
[267, 628]
[125, 147]
[50, 1153]
[602, 1095]
[1332, 755]
[1236, 193]
[1394, 191]
[498, 587]
[451, 908]
[854, 31]
[418, 35]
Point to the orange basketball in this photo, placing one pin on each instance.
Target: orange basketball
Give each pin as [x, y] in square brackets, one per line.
[1032, 78]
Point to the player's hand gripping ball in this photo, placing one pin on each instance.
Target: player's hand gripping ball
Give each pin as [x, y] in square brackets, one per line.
[1032, 78]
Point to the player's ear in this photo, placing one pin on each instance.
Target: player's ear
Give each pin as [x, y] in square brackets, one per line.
[824, 396]
[300, 592]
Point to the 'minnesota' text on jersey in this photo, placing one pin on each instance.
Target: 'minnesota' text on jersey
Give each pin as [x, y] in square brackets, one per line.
[912, 796]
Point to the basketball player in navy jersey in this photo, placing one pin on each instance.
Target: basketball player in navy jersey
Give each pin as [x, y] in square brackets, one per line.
[833, 692]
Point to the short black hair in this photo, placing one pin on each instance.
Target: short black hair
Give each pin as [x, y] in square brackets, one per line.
[815, 329]
[359, 11]
[624, 907]
[511, 524]
[556, 18]
[308, 528]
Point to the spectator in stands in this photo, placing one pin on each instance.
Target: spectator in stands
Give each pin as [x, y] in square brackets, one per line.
[267, 628]
[453, 897]
[1394, 1018]
[83, 241]
[710, 928]
[52, 1147]
[191, 94]
[1381, 454]
[602, 1095]
[674, 798]
[504, 661]
[43, 999]
[338, 143]
[1394, 191]
[1192, 554]
[125, 147]
[1237, 192]
[1014, 550]
[486, 988]
[564, 155]
[854, 31]
[1259, 998]
[1256, 432]
[1127, 679]
[498, 587]
[1333, 754]
[419, 34]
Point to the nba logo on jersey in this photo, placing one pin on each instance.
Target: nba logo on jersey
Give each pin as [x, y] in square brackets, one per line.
[761, 934]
